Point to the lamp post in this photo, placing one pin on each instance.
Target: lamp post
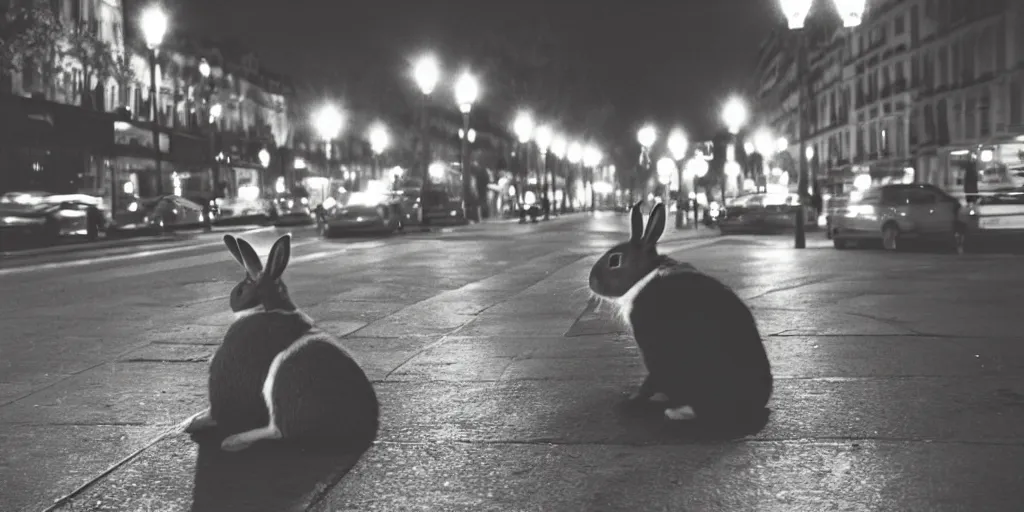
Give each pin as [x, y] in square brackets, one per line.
[154, 28]
[851, 12]
[646, 137]
[574, 153]
[523, 127]
[666, 167]
[734, 115]
[328, 123]
[678, 145]
[379, 141]
[426, 72]
[559, 146]
[466, 91]
[695, 169]
[542, 136]
[591, 159]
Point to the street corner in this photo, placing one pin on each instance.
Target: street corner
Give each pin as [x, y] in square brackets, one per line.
[191, 472]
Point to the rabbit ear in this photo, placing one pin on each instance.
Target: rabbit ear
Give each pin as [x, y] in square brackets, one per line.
[280, 253]
[637, 223]
[655, 225]
[232, 246]
[250, 259]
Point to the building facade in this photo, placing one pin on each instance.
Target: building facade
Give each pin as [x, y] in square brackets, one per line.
[84, 122]
[917, 86]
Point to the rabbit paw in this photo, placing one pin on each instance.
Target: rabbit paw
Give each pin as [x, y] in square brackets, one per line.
[201, 421]
[242, 441]
[681, 413]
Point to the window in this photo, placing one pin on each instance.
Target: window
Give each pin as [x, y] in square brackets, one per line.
[920, 196]
[900, 26]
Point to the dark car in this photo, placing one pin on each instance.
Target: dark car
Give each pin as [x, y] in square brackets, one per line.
[160, 214]
[42, 217]
[763, 212]
[292, 208]
[359, 212]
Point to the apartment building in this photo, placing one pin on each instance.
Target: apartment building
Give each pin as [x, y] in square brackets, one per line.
[919, 85]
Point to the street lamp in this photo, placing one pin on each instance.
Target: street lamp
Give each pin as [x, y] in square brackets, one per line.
[426, 72]
[695, 169]
[466, 91]
[591, 159]
[678, 145]
[328, 123]
[542, 136]
[574, 154]
[734, 114]
[154, 28]
[851, 11]
[559, 145]
[523, 128]
[646, 137]
[379, 141]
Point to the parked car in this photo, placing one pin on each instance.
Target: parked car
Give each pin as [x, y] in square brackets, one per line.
[893, 214]
[764, 212]
[993, 216]
[159, 214]
[43, 217]
[359, 212]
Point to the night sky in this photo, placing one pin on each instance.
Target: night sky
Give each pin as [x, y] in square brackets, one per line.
[672, 62]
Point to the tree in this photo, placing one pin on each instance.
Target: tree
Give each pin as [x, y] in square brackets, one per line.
[120, 68]
[95, 57]
[35, 40]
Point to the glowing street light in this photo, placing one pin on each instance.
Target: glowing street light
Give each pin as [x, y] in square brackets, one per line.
[379, 138]
[734, 114]
[592, 156]
[328, 123]
[678, 144]
[575, 153]
[204, 68]
[796, 11]
[782, 144]
[763, 143]
[559, 146]
[426, 72]
[523, 126]
[466, 91]
[542, 136]
[154, 26]
[646, 136]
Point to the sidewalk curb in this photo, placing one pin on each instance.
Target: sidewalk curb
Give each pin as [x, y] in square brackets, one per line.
[117, 243]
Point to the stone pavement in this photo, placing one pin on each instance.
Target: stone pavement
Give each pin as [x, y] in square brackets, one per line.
[899, 388]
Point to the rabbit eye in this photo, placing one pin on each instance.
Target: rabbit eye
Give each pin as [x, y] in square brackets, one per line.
[615, 260]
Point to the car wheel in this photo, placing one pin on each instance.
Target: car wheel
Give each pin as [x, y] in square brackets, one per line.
[891, 238]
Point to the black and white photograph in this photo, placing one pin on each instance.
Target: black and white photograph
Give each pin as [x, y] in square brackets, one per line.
[494, 256]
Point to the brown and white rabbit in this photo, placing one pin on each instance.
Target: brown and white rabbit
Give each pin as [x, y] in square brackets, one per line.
[699, 341]
[276, 376]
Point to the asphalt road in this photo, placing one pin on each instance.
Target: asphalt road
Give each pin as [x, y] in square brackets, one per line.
[900, 379]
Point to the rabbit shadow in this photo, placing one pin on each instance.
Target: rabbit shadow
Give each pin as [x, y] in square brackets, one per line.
[270, 476]
[647, 419]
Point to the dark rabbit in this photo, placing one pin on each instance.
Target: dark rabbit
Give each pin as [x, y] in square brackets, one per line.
[699, 341]
[276, 376]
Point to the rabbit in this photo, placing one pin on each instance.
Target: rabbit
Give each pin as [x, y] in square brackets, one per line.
[699, 341]
[276, 376]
